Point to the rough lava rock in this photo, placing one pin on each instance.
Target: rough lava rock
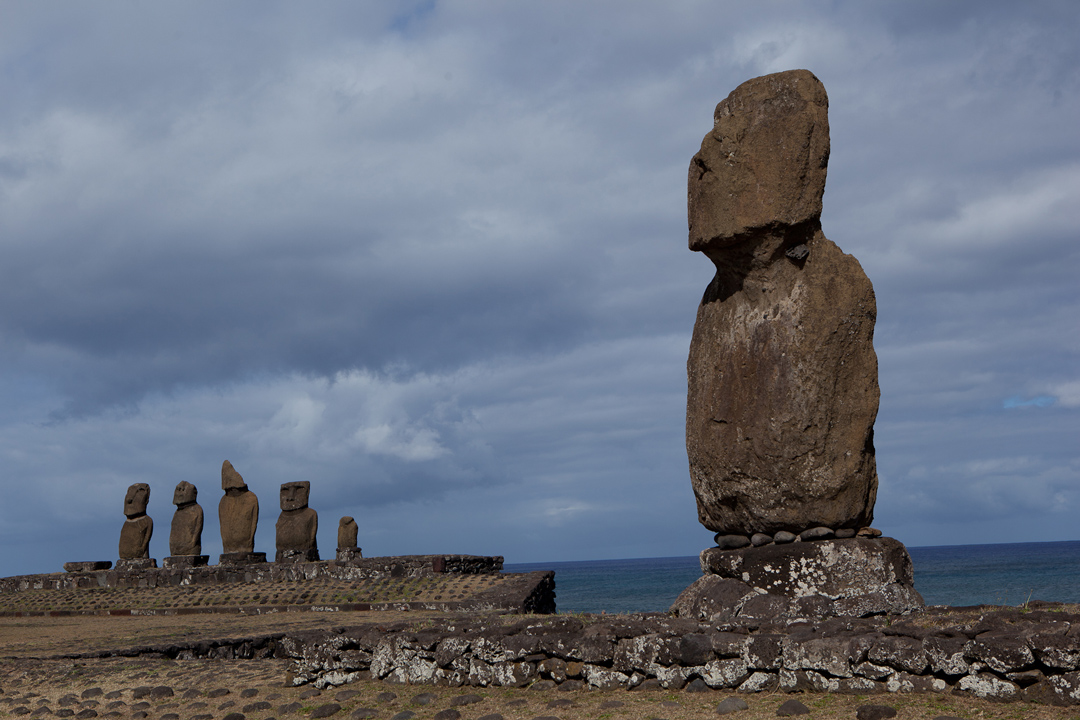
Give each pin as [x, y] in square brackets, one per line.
[782, 373]
[833, 568]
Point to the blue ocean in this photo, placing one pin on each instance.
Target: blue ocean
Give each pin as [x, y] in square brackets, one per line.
[1005, 574]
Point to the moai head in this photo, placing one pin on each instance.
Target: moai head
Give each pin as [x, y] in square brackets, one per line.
[135, 500]
[294, 495]
[184, 494]
[230, 479]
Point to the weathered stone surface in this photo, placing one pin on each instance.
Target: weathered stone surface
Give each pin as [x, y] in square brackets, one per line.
[782, 374]
[295, 556]
[988, 685]
[817, 533]
[135, 564]
[241, 558]
[139, 527]
[87, 566]
[1000, 652]
[835, 656]
[297, 525]
[695, 649]
[185, 537]
[765, 606]
[946, 654]
[833, 568]
[764, 162]
[898, 598]
[712, 595]
[730, 542]
[238, 513]
[1053, 650]
[346, 534]
[760, 682]
[185, 561]
[902, 653]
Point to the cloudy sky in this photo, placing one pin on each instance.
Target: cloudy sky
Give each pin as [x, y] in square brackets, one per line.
[432, 257]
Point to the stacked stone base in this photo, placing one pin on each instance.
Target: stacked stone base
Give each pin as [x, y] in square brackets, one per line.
[854, 577]
[180, 561]
[297, 556]
[241, 558]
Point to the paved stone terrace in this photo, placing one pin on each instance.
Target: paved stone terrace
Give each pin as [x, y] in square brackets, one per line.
[372, 592]
[442, 583]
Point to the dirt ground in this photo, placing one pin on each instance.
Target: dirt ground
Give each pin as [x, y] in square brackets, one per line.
[34, 683]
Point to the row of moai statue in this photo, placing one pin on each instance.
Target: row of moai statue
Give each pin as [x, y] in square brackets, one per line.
[238, 515]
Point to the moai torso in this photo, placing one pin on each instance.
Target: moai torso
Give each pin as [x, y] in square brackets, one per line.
[187, 523]
[298, 524]
[346, 534]
[139, 527]
[238, 512]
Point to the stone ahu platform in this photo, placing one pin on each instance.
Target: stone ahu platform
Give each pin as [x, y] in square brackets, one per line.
[853, 577]
[446, 583]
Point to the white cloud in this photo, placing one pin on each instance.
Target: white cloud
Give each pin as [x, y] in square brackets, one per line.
[1067, 393]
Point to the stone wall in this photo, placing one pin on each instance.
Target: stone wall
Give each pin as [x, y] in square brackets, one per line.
[358, 569]
[1005, 654]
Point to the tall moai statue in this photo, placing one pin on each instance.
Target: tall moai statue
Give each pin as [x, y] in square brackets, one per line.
[137, 531]
[185, 538]
[782, 374]
[347, 548]
[238, 515]
[297, 525]
[782, 388]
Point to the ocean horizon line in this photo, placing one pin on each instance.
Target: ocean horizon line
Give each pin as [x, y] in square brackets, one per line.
[911, 547]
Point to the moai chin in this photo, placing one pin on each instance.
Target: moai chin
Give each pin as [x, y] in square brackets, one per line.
[139, 527]
[347, 548]
[238, 513]
[297, 526]
[187, 524]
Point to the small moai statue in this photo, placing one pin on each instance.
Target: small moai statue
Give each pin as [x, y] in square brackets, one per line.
[185, 539]
[137, 530]
[297, 525]
[238, 514]
[346, 540]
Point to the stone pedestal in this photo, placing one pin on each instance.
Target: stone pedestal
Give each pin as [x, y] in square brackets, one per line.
[295, 556]
[183, 561]
[349, 554]
[241, 558]
[87, 566]
[129, 564]
[851, 577]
